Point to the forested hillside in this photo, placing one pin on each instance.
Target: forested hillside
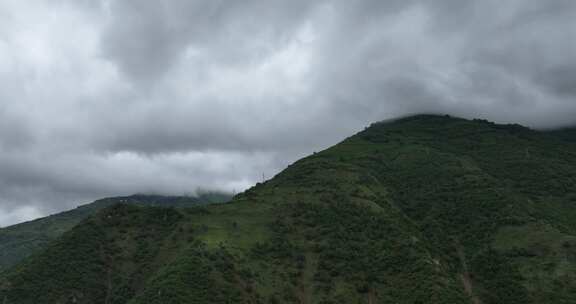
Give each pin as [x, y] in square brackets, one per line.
[424, 209]
[21, 240]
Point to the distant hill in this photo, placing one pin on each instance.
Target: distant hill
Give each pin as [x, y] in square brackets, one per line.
[21, 240]
[424, 209]
[567, 134]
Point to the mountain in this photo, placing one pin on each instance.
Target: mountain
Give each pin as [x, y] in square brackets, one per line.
[21, 240]
[566, 134]
[424, 209]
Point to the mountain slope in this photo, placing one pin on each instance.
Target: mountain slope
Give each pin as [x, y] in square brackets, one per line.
[567, 134]
[425, 209]
[21, 240]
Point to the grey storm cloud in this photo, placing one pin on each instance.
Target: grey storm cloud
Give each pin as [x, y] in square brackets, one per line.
[113, 97]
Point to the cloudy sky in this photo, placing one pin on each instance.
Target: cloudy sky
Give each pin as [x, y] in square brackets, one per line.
[114, 97]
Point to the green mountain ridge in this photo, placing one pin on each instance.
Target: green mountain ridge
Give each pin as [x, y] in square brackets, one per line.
[423, 209]
[21, 240]
[566, 133]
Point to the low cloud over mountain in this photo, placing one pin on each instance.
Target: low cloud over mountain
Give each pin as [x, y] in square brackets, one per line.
[115, 97]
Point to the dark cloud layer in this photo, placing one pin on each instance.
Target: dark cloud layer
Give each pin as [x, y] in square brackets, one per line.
[114, 97]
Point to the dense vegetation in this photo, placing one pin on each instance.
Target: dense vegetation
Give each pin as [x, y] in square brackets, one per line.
[19, 241]
[425, 209]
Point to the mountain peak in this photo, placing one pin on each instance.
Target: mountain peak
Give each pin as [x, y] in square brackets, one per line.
[426, 208]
